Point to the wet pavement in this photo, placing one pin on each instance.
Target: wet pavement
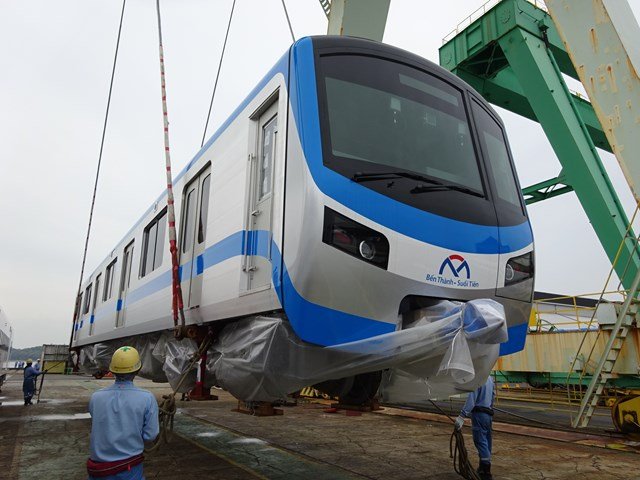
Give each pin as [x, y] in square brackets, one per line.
[50, 441]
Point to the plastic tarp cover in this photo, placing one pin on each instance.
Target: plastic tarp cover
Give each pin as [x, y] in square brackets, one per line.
[96, 358]
[176, 356]
[445, 349]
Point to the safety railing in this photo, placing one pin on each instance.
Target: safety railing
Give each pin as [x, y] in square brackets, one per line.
[568, 312]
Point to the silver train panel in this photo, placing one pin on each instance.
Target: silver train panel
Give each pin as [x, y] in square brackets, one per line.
[6, 338]
[225, 288]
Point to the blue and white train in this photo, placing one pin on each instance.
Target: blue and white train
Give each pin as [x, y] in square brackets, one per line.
[356, 182]
[6, 338]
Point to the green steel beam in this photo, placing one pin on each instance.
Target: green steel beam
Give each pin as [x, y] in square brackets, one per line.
[477, 47]
[547, 189]
[476, 56]
[542, 82]
[504, 90]
[513, 56]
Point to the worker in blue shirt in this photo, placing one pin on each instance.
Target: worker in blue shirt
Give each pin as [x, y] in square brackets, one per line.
[479, 406]
[29, 383]
[123, 418]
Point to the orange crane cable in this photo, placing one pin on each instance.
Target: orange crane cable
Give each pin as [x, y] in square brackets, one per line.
[177, 301]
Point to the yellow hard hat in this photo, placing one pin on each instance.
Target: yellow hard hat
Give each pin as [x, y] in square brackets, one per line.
[29, 360]
[125, 360]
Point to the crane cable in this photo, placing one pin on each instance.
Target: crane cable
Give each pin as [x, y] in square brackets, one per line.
[177, 301]
[286, 14]
[215, 85]
[95, 186]
[224, 48]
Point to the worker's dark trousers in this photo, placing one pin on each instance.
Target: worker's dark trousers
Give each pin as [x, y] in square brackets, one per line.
[28, 389]
[481, 430]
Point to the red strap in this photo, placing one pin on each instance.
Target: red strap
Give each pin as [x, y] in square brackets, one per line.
[105, 469]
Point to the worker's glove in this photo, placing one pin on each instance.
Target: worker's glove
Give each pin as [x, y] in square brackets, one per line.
[459, 422]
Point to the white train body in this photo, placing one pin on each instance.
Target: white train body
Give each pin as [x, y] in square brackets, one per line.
[272, 209]
[6, 338]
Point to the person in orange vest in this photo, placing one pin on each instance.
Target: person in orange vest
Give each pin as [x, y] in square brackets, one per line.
[123, 418]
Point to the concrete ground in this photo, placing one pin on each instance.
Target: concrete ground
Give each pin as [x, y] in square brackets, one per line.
[50, 441]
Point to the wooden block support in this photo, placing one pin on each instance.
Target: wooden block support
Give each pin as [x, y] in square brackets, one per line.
[258, 409]
[371, 406]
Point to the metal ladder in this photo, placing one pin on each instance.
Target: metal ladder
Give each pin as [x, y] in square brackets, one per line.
[604, 370]
[625, 314]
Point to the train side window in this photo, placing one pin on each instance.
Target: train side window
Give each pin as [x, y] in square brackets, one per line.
[189, 215]
[87, 299]
[108, 281]
[78, 306]
[97, 292]
[96, 298]
[204, 209]
[159, 250]
[268, 153]
[153, 245]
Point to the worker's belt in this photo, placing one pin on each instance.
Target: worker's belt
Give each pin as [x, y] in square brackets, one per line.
[487, 410]
[104, 469]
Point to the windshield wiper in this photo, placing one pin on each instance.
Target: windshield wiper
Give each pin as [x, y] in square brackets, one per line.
[435, 185]
[368, 176]
[441, 187]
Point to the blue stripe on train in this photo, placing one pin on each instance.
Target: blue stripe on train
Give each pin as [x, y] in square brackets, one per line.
[410, 221]
[517, 338]
[329, 326]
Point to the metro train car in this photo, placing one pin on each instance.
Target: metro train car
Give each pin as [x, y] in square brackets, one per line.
[355, 183]
[6, 337]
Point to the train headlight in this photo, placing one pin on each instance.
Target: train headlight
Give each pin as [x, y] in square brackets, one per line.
[355, 239]
[367, 250]
[518, 269]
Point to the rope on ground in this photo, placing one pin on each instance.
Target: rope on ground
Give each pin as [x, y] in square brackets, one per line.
[167, 407]
[458, 451]
[522, 417]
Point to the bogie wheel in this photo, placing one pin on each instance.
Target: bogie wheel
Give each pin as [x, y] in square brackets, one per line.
[625, 414]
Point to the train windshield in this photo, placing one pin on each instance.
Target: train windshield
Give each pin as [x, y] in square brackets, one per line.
[390, 124]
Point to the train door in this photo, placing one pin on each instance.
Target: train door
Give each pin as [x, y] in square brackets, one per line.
[258, 254]
[96, 297]
[195, 212]
[125, 279]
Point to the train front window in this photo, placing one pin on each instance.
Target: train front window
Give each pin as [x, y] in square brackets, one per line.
[494, 146]
[384, 116]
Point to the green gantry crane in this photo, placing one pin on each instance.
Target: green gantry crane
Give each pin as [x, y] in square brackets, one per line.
[514, 54]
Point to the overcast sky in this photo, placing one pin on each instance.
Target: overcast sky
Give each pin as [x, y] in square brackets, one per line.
[56, 63]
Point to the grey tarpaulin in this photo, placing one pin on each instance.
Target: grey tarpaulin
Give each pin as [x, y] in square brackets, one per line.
[443, 349]
[151, 347]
